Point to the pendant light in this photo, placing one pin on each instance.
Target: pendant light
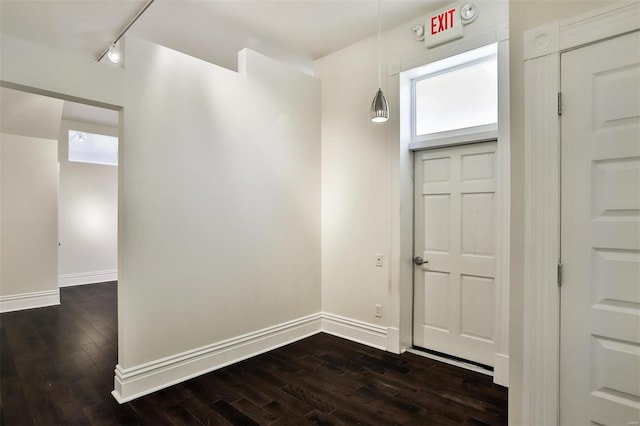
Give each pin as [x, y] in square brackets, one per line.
[379, 107]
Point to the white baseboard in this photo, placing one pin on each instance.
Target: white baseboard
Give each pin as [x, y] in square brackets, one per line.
[354, 330]
[37, 299]
[393, 340]
[81, 278]
[501, 369]
[134, 382]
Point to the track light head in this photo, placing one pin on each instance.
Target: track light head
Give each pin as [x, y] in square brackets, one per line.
[114, 53]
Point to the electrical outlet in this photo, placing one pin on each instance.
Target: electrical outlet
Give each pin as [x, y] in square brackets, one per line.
[379, 260]
[379, 311]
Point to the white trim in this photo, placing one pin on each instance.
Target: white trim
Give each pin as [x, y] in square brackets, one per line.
[503, 220]
[469, 136]
[401, 159]
[81, 278]
[541, 295]
[598, 25]
[134, 382]
[401, 266]
[460, 46]
[393, 340]
[501, 369]
[402, 196]
[354, 330]
[542, 196]
[36, 299]
[541, 41]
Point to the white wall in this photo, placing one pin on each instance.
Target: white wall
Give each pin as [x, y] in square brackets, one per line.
[28, 228]
[356, 204]
[29, 127]
[88, 214]
[220, 200]
[219, 197]
[358, 169]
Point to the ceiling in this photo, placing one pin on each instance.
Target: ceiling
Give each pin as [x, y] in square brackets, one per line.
[295, 31]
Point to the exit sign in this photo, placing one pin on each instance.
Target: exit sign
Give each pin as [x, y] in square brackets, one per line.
[443, 26]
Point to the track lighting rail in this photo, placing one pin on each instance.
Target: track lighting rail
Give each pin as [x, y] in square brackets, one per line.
[125, 29]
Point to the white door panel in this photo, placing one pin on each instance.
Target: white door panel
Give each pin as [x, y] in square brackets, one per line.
[455, 210]
[600, 237]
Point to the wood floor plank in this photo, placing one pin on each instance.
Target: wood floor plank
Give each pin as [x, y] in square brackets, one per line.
[287, 416]
[72, 414]
[198, 391]
[57, 364]
[40, 403]
[150, 413]
[15, 408]
[257, 414]
[203, 412]
[232, 414]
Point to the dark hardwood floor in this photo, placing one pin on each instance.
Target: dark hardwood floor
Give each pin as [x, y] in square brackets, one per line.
[57, 369]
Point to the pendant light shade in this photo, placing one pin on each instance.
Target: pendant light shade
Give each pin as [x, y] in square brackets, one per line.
[379, 108]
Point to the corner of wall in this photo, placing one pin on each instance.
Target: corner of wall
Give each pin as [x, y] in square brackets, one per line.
[354, 330]
[134, 382]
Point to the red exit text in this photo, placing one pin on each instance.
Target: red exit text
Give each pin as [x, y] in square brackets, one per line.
[442, 22]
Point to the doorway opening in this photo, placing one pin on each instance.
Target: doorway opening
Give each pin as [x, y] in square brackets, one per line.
[59, 216]
[459, 159]
[88, 195]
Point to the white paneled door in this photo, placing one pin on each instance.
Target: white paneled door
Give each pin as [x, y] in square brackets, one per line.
[600, 238]
[455, 238]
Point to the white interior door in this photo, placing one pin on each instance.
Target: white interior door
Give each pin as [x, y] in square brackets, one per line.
[600, 238]
[454, 291]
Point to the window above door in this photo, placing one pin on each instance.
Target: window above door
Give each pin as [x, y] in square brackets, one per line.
[456, 99]
[93, 148]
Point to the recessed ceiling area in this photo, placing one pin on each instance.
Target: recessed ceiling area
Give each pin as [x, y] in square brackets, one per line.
[295, 31]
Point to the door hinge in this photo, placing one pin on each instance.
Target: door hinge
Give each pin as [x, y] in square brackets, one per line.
[560, 274]
[559, 103]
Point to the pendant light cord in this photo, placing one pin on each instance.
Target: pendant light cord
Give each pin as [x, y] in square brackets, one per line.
[379, 43]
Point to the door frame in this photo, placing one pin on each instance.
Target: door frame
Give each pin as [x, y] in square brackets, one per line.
[400, 329]
[542, 49]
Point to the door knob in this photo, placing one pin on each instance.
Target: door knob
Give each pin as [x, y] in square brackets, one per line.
[419, 260]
